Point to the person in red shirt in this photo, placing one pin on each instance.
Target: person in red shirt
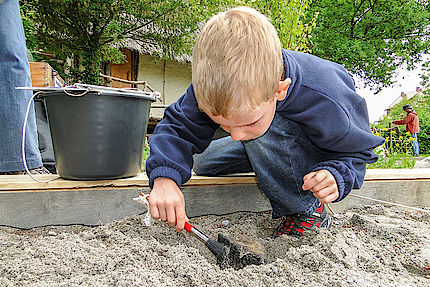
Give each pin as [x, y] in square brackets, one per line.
[412, 125]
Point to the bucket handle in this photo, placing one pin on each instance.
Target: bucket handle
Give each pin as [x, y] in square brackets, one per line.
[78, 95]
[24, 160]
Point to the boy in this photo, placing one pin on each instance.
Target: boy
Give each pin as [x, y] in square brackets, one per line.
[294, 119]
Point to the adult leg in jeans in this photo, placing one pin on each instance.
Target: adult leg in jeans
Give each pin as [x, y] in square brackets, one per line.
[415, 145]
[280, 158]
[15, 72]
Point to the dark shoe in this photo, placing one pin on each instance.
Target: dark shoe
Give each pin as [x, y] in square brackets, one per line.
[296, 224]
[34, 171]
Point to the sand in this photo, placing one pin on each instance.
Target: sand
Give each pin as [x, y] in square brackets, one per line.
[366, 246]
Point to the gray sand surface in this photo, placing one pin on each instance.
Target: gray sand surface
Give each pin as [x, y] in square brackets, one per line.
[366, 246]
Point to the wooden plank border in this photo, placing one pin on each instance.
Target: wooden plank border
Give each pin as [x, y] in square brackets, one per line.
[27, 209]
[94, 203]
[9, 183]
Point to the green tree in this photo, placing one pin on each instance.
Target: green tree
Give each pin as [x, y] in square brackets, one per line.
[371, 38]
[288, 18]
[28, 21]
[89, 31]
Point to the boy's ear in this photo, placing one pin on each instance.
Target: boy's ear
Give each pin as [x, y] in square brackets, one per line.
[281, 93]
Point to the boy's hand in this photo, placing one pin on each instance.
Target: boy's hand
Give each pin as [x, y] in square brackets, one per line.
[166, 202]
[323, 185]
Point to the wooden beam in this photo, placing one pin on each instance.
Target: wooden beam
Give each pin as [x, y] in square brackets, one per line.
[26, 204]
[95, 206]
[10, 183]
[397, 174]
[63, 207]
[414, 193]
[144, 83]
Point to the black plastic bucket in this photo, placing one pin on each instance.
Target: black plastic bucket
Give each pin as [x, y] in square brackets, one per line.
[97, 132]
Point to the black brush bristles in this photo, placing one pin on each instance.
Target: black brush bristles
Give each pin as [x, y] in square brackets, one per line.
[218, 249]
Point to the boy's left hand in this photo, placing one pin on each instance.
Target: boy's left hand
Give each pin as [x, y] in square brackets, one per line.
[322, 184]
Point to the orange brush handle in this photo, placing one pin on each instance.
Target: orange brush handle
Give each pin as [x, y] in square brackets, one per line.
[188, 227]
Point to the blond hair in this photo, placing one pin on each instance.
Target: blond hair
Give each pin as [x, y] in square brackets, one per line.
[237, 62]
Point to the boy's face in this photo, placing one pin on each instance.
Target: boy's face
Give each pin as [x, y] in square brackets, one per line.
[248, 126]
[255, 123]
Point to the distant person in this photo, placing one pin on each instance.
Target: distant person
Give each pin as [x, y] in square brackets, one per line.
[15, 72]
[412, 125]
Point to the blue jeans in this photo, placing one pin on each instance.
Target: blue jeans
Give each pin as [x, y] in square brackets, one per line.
[415, 145]
[15, 72]
[280, 158]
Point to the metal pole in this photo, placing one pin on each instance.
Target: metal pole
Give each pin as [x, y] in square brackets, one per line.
[391, 140]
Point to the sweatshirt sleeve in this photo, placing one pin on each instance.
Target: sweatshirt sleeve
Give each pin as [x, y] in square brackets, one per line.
[350, 151]
[183, 131]
[342, 133]
[348, 170]
[404, 121]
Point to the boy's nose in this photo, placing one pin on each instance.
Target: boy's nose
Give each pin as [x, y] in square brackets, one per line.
[237, 134]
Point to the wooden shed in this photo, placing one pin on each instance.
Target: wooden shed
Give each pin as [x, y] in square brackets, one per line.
[169, 77]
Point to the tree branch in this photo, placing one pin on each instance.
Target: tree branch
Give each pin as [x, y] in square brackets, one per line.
[141, 26]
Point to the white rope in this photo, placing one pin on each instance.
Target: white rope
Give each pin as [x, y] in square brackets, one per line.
[391, 203]
[24, 160]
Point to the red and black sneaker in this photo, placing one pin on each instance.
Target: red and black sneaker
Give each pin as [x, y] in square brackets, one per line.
[296, 224]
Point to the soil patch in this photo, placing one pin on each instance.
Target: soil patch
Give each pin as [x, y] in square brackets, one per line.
[366, 246]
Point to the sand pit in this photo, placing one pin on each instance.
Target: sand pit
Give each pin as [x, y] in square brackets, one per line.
[367, 246]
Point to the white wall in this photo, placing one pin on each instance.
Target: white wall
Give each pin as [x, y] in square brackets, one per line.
[170, 78]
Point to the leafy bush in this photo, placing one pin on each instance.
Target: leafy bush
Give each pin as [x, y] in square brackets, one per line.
[424, 135]
[399, 144]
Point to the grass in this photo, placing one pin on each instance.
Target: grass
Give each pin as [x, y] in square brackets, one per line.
[394, 161]
[145, 154]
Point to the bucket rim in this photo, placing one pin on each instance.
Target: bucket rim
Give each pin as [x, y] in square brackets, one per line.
[78, 90]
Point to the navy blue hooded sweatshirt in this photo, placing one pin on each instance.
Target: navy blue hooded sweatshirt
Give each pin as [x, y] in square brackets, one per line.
[321, 97]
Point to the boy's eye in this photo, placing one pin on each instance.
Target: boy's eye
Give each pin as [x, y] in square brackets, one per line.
[253, 124]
